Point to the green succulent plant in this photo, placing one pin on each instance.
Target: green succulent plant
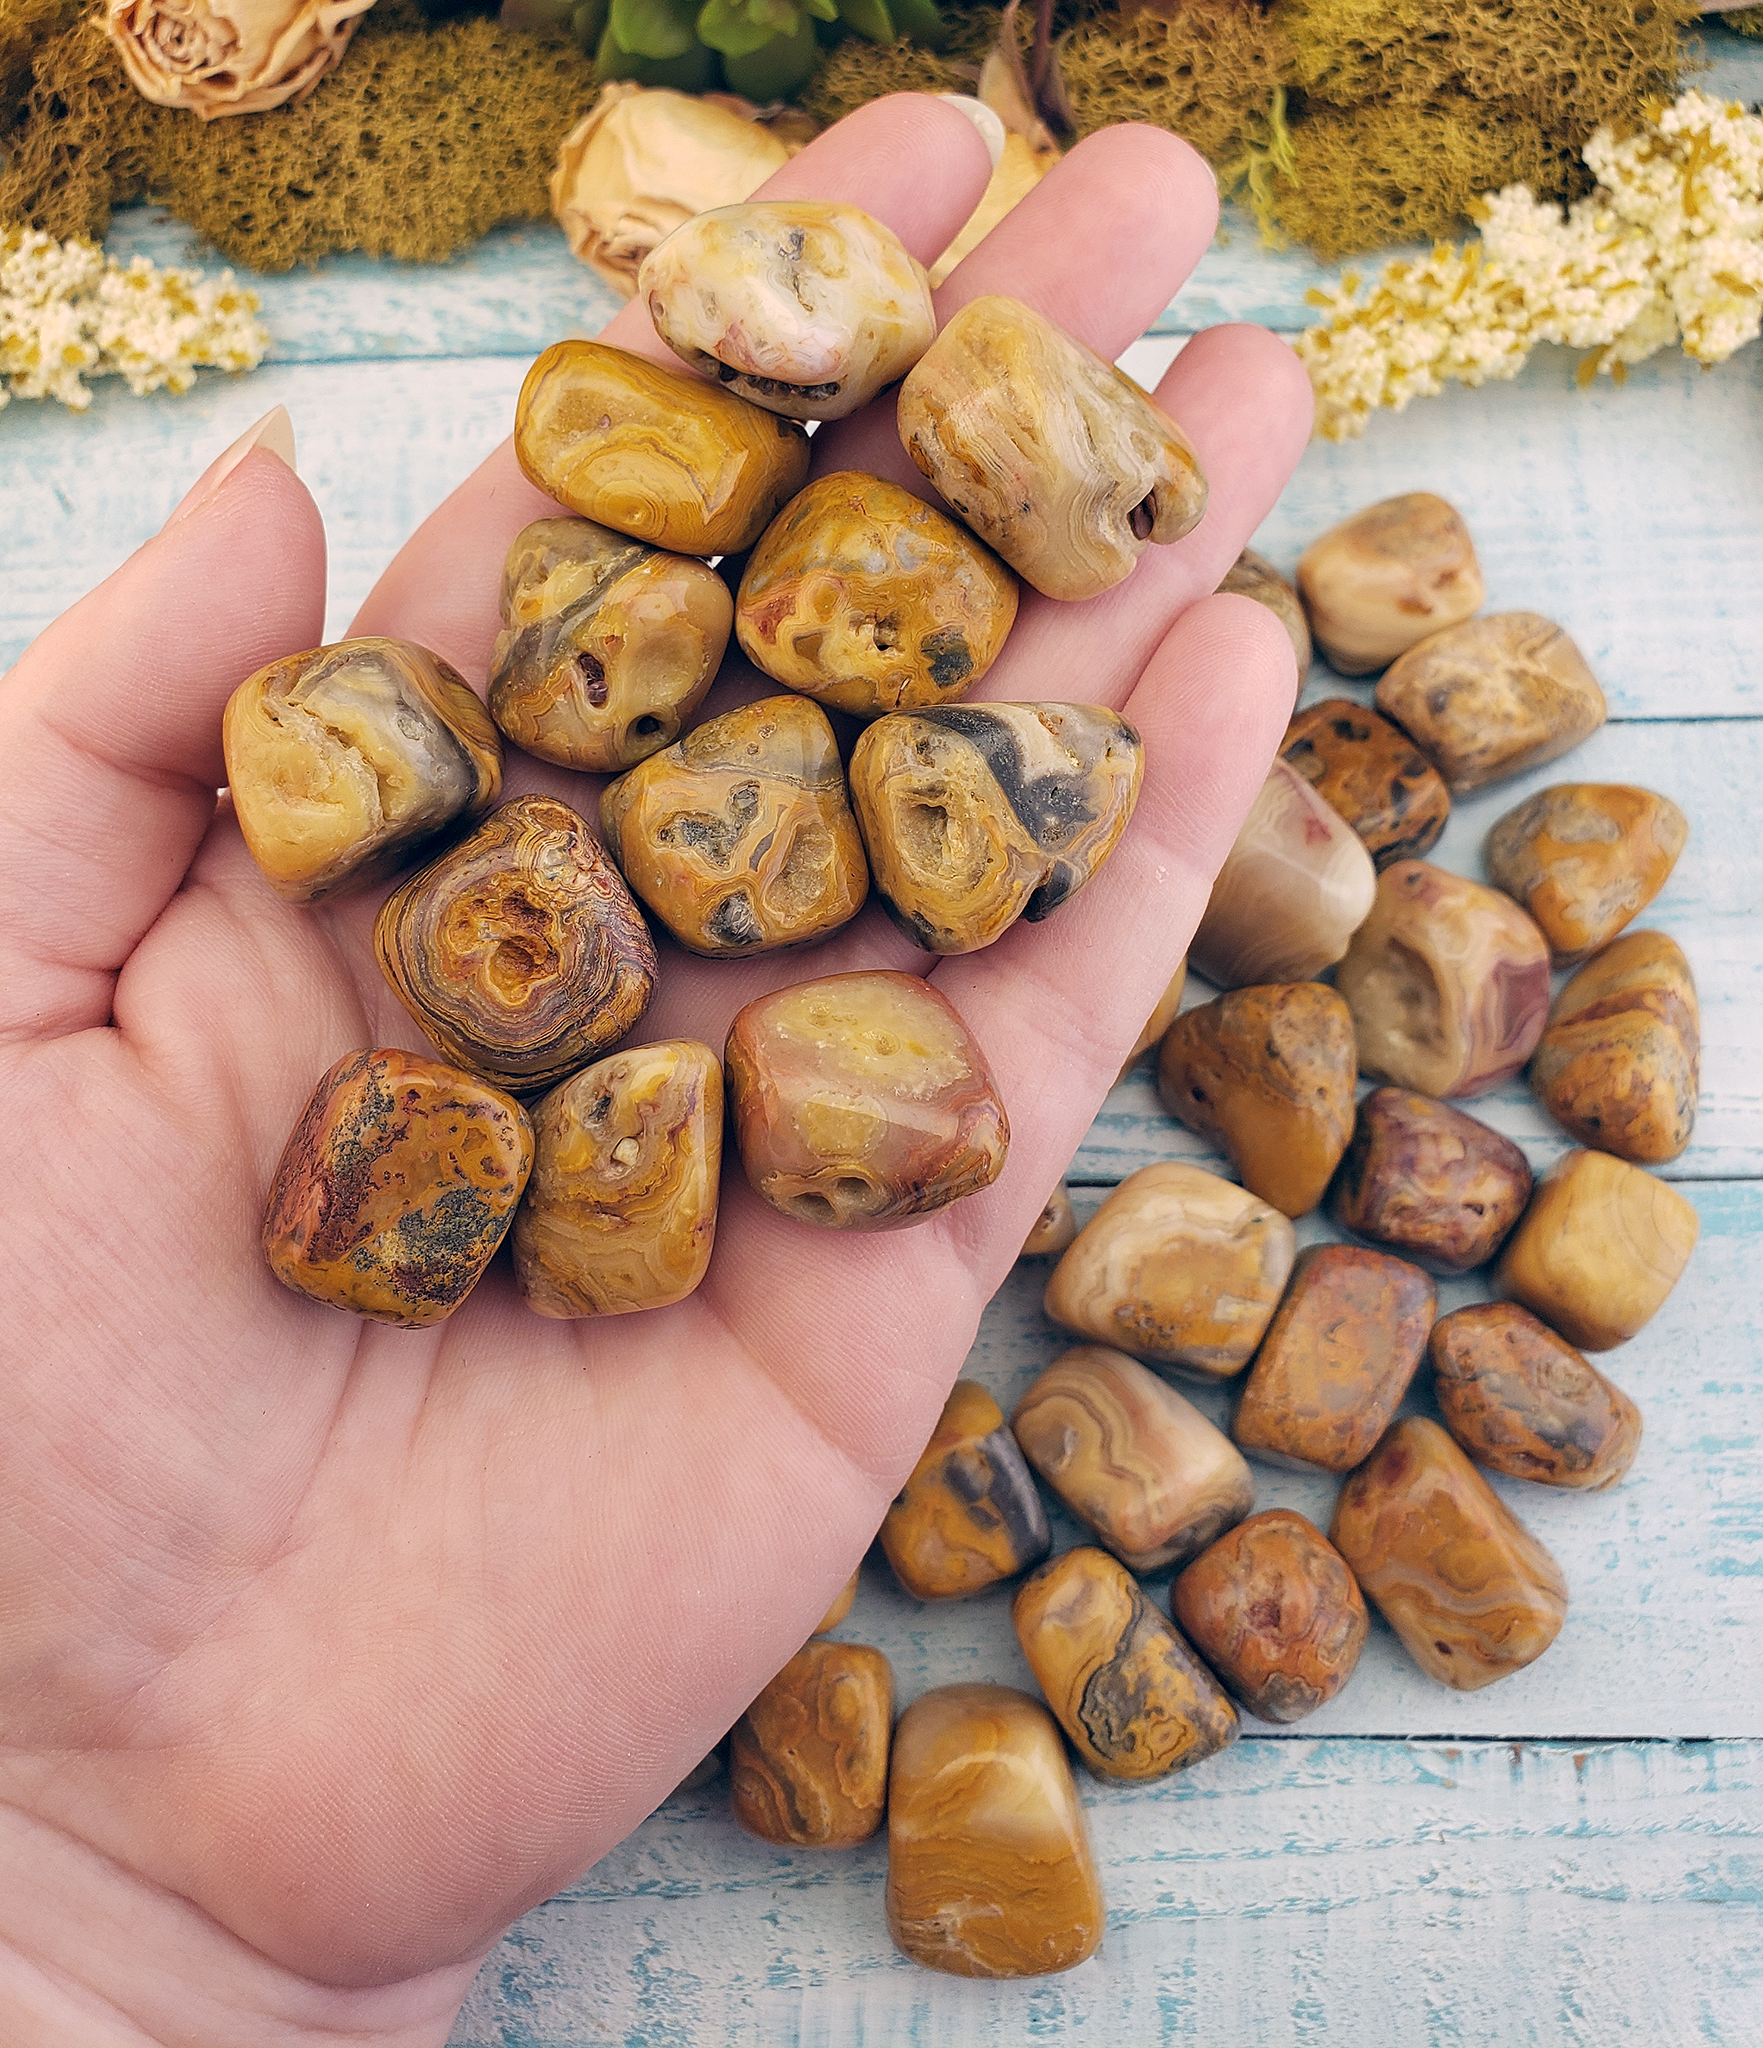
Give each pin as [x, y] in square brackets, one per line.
[764, 49]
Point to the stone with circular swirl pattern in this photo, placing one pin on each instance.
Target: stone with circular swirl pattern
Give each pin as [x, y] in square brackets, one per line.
[1448, 983]
[395, 1187]
[620, 1212]
[862, 1102]
[974, 815]
[1373, 774]
[519, 951]
[1473, 1596]
[1598, 1250]
[968, 1515]
[1387, 577]
[1135, 1700]
[1293, 889]
[808, 1760]
[805, 306]
[1522, 1401]
[654, 453]
[740, 837]
[1429, 1182]
[1274, 1610]
[1584, 858]
[990, 1870]
[1179, 1268]
[1336, 1360]
[1055, 458]
[606, 645]
[1620, 1063]
[345, 761]
[1267, 1075]
[865, 598]
[1493, 696]
[1135, 1462]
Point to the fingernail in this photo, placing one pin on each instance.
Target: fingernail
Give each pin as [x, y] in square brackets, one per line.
[274, 433]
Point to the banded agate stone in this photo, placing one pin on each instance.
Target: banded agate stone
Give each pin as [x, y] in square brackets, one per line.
[1132, 1459]
[990, 1872]
[1472, 1594]
[1274, 1610]
[1429, 1182]
[969, 1514]
[1373, 774]
[1134, 1699]
[395, 1188]
[1386, 578]
[1584, 858]
[977, 814]
[808, 1760]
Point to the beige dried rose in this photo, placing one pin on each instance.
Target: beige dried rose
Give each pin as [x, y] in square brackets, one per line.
[644, 159]
[229, 56]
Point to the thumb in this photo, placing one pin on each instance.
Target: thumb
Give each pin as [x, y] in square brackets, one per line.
[110, 751]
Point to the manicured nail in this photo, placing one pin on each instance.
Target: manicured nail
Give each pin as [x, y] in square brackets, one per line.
[274, 433]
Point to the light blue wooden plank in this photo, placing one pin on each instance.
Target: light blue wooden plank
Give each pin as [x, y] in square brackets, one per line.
[1710, 905]
[1387, 1895]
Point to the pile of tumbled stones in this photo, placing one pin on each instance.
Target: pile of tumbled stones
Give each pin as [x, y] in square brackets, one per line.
[1441, 991]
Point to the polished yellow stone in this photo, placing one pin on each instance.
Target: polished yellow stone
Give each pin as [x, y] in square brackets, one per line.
[808, 1760]
[969, 1514]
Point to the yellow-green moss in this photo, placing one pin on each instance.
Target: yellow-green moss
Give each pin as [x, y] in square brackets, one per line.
[1208, 72]
[1747, 20]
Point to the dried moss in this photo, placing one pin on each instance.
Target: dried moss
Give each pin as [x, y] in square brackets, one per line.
[855, 72]
[1748, 21]
[1401, 173]
[1208, 72]
[423, 139]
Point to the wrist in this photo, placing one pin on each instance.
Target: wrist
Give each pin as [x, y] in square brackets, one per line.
[94, 1956]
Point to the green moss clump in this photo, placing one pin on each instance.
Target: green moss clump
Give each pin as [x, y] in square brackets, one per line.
[421, 140]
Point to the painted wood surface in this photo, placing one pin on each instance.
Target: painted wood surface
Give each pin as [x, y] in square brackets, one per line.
[1327, 1893]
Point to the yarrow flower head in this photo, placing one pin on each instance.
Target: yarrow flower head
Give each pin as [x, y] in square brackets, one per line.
[1668, 249]
[68, 312]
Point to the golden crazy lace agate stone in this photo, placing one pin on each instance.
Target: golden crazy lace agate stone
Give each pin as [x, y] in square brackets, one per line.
[990, 1872]
[620, 1212]
[1054, 1227]
[344, 760]
[1130, 1458]
[1521, 1400]
[1373, 774]
[1253, 575]
[1429, 1182]
[1337, 1358]
[395, 1188]
[740, 837]
[862, 596]
[1620, 1062]
[969, 1515]
[808, 1760]
[654, 453]
[1291, 893]
[1053, 456]
[519, 951]
[862, 1101]
[1584, 858]
[1386, 578]
[1471, 1593]
[1160, 1019]
[1135, 1700]
[977, 814]
[606, 645]
[1177, 1267]
[1274, 1610]
[1448, 983]
[842, 1602]
[1599, 1248]
[1493, 696]
[805, 306]
[1268, 1076]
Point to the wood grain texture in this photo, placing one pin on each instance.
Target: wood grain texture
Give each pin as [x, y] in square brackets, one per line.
[1384, 1895]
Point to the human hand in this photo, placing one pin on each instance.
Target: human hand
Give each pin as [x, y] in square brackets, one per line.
[326, 1649]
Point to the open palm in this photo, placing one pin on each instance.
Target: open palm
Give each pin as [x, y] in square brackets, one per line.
[326, 1648]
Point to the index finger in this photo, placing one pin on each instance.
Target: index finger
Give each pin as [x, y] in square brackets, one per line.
[911, 160]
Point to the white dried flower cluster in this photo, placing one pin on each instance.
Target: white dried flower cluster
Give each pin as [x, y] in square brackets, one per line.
[69, 312]
[1668, 249]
